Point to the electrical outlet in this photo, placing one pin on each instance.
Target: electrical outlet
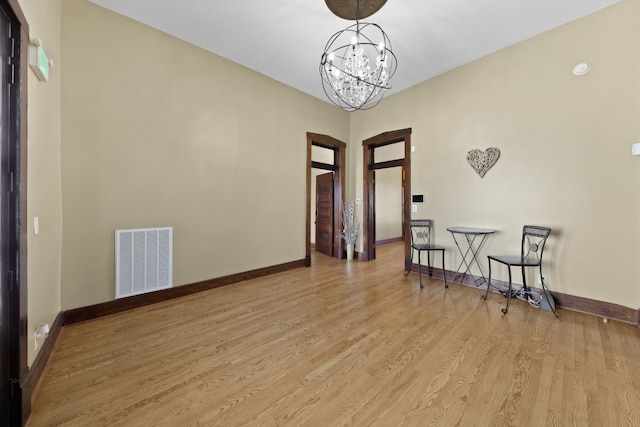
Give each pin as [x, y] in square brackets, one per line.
[542, 278]
[414, 208]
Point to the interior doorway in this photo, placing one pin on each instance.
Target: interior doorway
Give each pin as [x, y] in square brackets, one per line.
[388, 203]
[369, 167]
[337, 167]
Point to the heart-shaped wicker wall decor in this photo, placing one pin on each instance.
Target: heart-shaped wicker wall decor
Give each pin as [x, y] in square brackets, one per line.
[482, 161]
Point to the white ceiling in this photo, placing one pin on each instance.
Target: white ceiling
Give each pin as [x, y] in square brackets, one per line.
[284, 39]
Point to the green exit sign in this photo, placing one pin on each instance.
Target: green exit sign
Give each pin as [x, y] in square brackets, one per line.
[39, 62]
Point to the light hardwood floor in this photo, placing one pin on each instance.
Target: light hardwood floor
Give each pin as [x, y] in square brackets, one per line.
[342, 343]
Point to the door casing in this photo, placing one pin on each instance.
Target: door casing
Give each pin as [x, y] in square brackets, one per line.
[338, 167]
[369, 167]
[14, 235]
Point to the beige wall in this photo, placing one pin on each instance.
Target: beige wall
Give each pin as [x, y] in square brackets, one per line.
[43, 176]
[157, 132]
[566, 150]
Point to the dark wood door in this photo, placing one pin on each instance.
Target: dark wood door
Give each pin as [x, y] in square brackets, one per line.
[324, 213]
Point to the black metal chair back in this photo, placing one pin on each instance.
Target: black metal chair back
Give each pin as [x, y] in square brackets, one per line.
[420, 230]
[533, 241]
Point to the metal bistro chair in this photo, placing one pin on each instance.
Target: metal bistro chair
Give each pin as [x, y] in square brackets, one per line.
[533, 241]
[420, 230]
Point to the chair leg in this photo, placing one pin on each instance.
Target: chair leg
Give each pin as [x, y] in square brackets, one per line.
[408, 270]
[504, 310]
[486, 293]
[430, 269]
[444, 271]
[420, 269]
[546, 291]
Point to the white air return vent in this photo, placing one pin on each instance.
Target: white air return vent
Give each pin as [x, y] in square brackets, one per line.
[143, 260]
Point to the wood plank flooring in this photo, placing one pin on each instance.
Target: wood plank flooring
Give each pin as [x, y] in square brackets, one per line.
[342, 343]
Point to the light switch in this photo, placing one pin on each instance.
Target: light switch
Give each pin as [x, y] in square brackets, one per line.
[36, 225]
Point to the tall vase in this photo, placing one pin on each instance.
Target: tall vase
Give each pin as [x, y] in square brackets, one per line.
[349, 251]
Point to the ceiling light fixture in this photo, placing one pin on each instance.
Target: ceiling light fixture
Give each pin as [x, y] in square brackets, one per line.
[581, 69]
[357, 63]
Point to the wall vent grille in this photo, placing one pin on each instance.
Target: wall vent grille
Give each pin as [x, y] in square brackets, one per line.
[143, 260]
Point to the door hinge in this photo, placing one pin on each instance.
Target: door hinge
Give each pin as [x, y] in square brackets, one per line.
[12, 65]
[14, 387]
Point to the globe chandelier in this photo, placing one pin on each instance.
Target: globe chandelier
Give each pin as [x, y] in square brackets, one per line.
[357, 63]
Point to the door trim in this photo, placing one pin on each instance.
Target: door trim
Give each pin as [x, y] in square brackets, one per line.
[368, 198]
[339, 155]
[18, 344]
